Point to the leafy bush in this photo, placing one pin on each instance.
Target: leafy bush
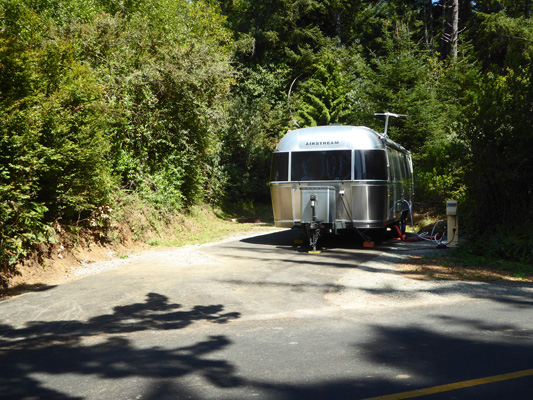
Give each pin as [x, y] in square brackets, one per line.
[53, 149]
[497, 130]
[503, 242]
[256, 120]
[166, 76]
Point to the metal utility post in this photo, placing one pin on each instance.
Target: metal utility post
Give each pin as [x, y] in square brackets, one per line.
[452, 223]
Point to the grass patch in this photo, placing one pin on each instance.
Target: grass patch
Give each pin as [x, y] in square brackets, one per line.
[462, 256]
[469, 262]
[203, 224]
[262, 212]
[502, 255]
[460, 264]
[424, 222]
[134, 222]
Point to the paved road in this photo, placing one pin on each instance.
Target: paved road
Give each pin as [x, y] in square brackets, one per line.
[257, 318]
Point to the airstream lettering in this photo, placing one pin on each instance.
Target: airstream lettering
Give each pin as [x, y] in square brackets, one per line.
[322, 143]
[331, 178]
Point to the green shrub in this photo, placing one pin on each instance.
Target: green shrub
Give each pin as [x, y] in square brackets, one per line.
[53, 144]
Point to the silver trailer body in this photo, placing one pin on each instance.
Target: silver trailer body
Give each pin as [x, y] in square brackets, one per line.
[340, 177]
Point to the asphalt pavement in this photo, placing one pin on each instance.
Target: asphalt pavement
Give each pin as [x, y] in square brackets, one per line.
[257, 317]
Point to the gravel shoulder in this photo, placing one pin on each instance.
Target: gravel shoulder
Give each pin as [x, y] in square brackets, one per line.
[407, 276]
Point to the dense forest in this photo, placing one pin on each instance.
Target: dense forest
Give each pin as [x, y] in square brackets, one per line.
[180, 102]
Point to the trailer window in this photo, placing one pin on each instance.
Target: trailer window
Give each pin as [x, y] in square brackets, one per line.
[395, 161]
[401, 165]
[408, 167]
[321, 165]
[280, 167]
[370, 165]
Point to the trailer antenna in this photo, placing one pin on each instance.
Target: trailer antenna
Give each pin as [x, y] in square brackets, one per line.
[293, 120]
[387, 116]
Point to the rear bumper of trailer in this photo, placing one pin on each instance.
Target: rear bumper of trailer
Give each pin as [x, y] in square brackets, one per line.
[338, 225]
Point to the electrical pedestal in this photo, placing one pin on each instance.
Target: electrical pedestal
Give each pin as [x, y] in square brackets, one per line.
[452, 223]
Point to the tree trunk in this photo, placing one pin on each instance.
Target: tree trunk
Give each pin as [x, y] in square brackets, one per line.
[428, 24]
[454, 34]
[444, 40]
[338, 25]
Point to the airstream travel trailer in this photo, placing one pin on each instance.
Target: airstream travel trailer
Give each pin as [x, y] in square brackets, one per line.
[332, 178]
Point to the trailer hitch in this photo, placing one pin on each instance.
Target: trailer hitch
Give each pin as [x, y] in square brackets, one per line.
[314, 226]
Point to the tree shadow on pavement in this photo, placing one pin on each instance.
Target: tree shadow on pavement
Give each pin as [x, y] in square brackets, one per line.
[405, 357]
[98, 348]
[402, 359]
[433, 358]
[412, 358]
[24, 288]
